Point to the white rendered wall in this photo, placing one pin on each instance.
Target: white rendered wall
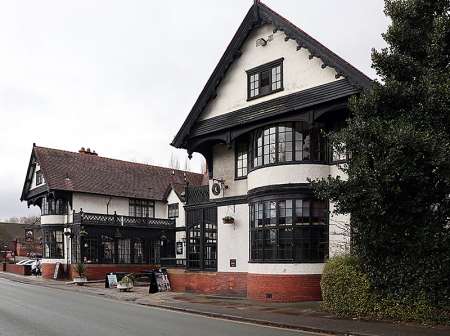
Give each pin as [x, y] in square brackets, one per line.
[300, 73]
[180, 222]
[173, 199]
[233, 240]
[339, 223]
[286, 174]
[54, 219]
[223, 168]
[99, 204]
[160, 209]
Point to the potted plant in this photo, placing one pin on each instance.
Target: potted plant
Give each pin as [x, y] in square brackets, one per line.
[80, 269]
[228, 220]
[126, 284]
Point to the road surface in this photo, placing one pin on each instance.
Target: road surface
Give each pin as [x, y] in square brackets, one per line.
[41, 311]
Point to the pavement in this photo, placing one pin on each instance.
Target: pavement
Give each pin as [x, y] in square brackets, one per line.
[41, 311]
[305, 316]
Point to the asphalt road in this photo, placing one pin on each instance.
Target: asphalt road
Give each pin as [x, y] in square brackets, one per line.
[40, 311]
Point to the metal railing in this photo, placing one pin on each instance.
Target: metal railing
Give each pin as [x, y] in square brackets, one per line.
[85, 218]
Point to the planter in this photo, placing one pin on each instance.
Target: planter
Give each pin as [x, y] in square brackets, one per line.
[80, 281]
[228, 220]
[127, 287]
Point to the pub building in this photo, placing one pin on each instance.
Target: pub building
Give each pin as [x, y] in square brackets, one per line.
[113, 215]
[256, 229]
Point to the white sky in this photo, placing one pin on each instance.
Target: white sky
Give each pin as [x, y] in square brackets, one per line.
[120, 77]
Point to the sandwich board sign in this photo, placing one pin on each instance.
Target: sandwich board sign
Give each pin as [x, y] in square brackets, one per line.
[57, 266]
[112, 280]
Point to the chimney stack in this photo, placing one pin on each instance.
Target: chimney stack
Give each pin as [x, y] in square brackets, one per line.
[87, 151]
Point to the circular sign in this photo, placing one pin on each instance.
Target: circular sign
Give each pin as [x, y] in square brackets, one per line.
[216, 188]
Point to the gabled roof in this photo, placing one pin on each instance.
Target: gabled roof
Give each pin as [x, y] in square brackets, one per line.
[76, 172]
[258, 15]
[179, 190]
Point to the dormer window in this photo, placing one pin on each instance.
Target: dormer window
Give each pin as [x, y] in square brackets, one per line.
[265, 79]
[39, 179]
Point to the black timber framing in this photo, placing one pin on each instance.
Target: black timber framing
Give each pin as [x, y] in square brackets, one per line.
[226, 130]
[258, 15]
[275, 107]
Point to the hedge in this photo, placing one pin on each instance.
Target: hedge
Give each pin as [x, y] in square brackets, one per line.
[347, 292]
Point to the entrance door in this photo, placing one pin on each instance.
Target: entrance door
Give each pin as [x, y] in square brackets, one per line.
[201, 245]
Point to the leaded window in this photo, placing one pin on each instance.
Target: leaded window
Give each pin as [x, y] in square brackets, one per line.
[39, 178]
[90, 254]
[141, 208]
[289, 230]
[173, 210]
[265, 79]
[124, 251]
[201, 249]
[53, 243]
[287, 142]
[241, 158]
[108, 249]
[50, 206]
[138, 251]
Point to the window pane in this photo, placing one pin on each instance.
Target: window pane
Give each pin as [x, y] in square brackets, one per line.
[241, 159]
[278, 239]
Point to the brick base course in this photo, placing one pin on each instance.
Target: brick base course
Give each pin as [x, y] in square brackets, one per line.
[93, 271]
[284, 288]
[18, 269]
[98, 272]
[222, 283]
[261, 287]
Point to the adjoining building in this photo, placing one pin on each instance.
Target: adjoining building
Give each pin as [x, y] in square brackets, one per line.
[257, 230]
[21, 240]
[112, 215]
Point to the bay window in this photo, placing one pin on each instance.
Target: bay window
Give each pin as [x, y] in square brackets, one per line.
[289, 230]
[50, 206]
[285, 143]
[53, 242]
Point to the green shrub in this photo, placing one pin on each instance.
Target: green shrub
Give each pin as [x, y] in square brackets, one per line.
[345, 288]
[347, 292]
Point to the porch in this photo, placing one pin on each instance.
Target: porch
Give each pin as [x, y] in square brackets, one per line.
[121, 240]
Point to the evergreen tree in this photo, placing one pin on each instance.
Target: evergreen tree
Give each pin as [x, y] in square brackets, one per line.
[398, 135]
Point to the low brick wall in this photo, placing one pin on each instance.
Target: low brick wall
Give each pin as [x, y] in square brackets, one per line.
[261, 287]
[222, 283]
[48, 270]
[18, 269]
[99, 271]
[284, 288]
[94, 271]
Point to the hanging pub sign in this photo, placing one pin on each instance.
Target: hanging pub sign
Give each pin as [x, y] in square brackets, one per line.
[179, 247]
[28, 235]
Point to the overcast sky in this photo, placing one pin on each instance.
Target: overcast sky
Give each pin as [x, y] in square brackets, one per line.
[121, 76]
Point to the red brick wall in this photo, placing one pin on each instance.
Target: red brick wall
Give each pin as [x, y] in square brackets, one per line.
[222, 283]
[98, 272]
[283, 288]
[18, 269]
[48, 270]
[94, 271]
